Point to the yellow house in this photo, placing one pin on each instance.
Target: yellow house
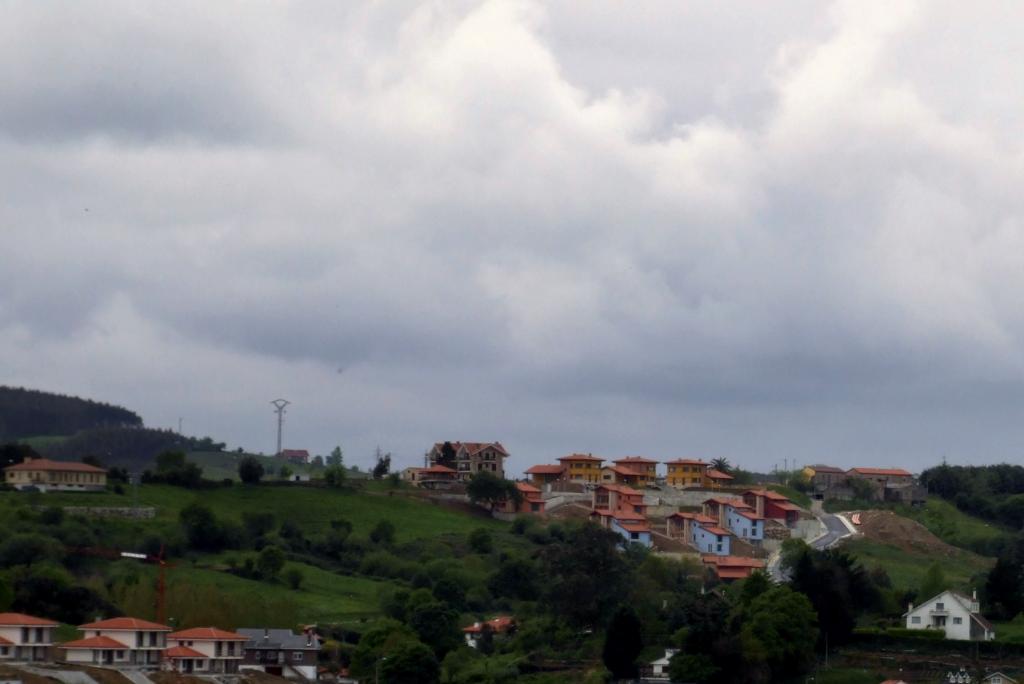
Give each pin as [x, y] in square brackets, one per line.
[645, 469]
[46, 475]
[582, 467]
[685, 472]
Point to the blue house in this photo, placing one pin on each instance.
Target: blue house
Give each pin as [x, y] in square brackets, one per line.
[744, 522]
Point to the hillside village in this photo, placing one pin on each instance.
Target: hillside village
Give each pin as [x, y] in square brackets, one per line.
[708, 519]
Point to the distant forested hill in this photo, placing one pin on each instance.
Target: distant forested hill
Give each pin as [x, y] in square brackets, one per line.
[32, 413]
[133, 448]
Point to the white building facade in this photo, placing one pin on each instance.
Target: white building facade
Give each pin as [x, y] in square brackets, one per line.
[956, 615]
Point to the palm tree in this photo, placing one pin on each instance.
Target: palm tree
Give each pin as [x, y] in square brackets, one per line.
[721, 465]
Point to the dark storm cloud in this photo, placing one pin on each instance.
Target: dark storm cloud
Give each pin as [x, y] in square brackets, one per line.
[759, 233]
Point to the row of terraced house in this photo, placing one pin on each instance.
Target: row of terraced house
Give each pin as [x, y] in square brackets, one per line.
[633, 471]
[131, 643]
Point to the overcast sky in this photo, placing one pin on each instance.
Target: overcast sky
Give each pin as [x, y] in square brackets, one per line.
[762, 231]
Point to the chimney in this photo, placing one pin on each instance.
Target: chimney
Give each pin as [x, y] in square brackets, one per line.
[266, 634]
[910, 607]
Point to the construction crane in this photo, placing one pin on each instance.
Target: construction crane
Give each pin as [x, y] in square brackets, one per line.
[157, 560]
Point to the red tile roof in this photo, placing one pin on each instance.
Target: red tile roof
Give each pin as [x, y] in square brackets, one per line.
[715, 529]
[686, 461]
[826, 469]
[717, 474]
[892, 472]
[207, 634]
[22, 620]
[733, 561]
[57, 466]
[698, 517]
[749, 515]
[733, 501]
[619, 470]
[634, 527]
[94, 642]
[126, 623]
[498, 624]
[636, 459]
[621, 489]
[527, 488]
[786, 505]
[545, 470]
[5, 642]
[768, 494]
[437, 470]
[183, 652]
[581, 457]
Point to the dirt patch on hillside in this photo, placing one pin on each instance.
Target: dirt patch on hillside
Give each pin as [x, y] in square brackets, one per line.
[8, 672]
[903, 533]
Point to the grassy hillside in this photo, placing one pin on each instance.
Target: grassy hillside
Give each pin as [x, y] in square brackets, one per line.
[312, 508]
[907, 569]
[799, 498]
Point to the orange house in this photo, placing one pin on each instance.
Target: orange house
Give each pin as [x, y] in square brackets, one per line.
[729, 568]
[541, 475]
[714, 479]
[532, 501]
[614, 474]
[685, 472]
[646, 469]
[616, 498]
[582, 467]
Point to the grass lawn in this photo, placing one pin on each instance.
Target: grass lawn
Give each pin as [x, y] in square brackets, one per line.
[799, 498]
[1010, 631]
[842, 675]
[38, 443]
[312, 508]
[907, 570]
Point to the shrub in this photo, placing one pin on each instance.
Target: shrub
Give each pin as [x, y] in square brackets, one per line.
[293, 576]
[480, 541]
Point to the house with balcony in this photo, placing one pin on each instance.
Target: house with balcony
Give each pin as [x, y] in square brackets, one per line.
[25, 637]
[55, 476]
[613, 474]
[632, 527]
[281, 652]
[204, 650]
[123, 641]
[619, 498]
[716, 479]
[472, 458]
[646, 470]
[956, 615]
[742, 521]
[685, 472]
[585, 468]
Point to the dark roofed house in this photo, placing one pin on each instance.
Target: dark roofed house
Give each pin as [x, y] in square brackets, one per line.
[473, 457]
[281, 652]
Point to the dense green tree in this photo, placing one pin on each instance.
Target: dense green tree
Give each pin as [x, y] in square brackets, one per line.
[29, 548]
[6, 595]
[14, 453]
[381, 465]
[1004, 588]
[450, 591]
[257, 524]
[480, 541]
[284, 472]
[622, 644]
[488, 489]
[379, 641]
[436, 624]
[383, 532]
[447, 456]
[250, 470]
[933, 584]
[584, 575]
[721, 464]
[270, 561]
[410, 663]
[515, 578]
[780, 631]
[293, 576]
[692, 667]
[334, 476]
[202, 530]
[337, 458]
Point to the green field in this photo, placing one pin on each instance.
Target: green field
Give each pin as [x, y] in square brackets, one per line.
[907, 569]
[38, 443]
[218, 465]
[312, 508]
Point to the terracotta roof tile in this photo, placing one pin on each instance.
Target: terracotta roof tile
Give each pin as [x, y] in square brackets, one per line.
[636, 459]
[94, 642]
[581, 457]
[126, 623]
[893, 472]
[545, 470]
[207, 634]
[56, 466]
[183, 652]
[22, 620]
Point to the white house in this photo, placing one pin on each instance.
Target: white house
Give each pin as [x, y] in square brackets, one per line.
[205, 650]
[657, 670]
[122, 641]
[957, 615]
[24, 637]
[998, 678]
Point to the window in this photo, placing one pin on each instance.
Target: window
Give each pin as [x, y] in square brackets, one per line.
[915, 620]
[634, 536]
[958, 621]
[940, 606]
[297, 655]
